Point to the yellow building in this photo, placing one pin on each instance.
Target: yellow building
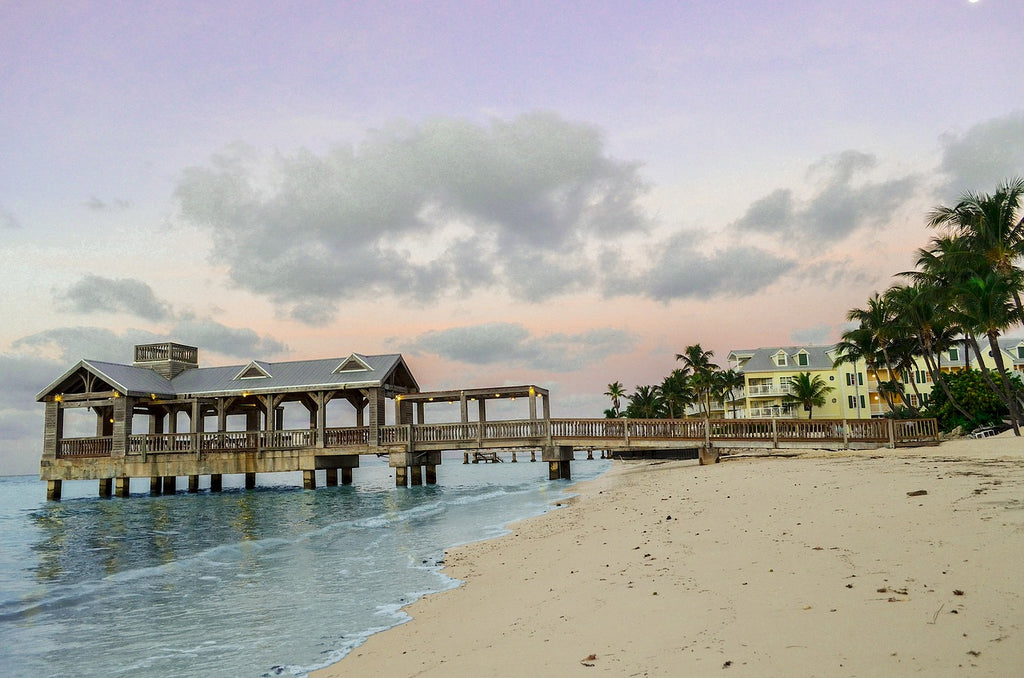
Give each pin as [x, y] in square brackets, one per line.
[855, 388]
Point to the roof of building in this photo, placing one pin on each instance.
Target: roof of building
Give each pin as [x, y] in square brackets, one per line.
[765, 359]
[354, 371]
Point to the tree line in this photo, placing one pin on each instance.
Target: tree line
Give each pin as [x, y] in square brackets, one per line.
[964, 292]
[701, 382]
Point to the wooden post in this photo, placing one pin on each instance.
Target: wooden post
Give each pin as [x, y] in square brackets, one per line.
[891, 425]
[250, 481]
[170, 484]
[216, 482]
[332, 477]
[431, 474]
[590, 453]
[309, 480]
[53, 488]
[122, 487]
[106, 487]
[193, 484]
[514, 457]
[346, 475]
[156, 486]
[533, 455]
[400, 477]
[416, 475]
[465, 457]
[846, 435]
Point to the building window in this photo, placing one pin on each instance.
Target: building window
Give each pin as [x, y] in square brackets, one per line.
[852, 402]
[922, 376]
[780, 359]
[801, 359]
[860, 378]
[954, 354]
[862, 403]
[1020, 352]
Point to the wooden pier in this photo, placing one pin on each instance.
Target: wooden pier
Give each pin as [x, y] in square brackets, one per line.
[165, 382]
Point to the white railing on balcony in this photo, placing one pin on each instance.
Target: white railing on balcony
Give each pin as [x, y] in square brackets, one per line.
[755, 390]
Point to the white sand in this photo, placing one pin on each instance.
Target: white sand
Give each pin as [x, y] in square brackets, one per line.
[818, 565]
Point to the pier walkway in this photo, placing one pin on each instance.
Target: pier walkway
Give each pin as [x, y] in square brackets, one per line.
[189, 413]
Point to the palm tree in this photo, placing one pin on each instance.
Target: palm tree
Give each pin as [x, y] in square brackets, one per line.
[729, 381]
[985, 307]
[616, 391]
[697, 362]
[808, 391]
[876, 321]
[645, 403]
[990, 226]
[677, 393]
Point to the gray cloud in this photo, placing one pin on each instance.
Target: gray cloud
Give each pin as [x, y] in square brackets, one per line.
[417, 211]
[94, 293]
[512, 344]
[72, 344]
[7, 219]
[839, 206]
[817, 335]
[679, 271]
[97, 205]
[983, 157]
[209, 335]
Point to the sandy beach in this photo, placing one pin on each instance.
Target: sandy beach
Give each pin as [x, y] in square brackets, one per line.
[880, 563]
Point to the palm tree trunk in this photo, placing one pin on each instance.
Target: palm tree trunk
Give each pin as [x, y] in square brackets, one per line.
[936, 371]
[1008, 395]
[986, 373]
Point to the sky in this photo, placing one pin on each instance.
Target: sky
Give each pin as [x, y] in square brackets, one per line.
[564, 194]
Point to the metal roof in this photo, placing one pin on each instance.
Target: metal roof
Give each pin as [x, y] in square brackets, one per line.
[282, 377]
[763, 359]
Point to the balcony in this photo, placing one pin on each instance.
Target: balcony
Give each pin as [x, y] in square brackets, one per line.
[769, 390]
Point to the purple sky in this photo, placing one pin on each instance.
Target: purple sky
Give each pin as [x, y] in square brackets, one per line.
[559, 193]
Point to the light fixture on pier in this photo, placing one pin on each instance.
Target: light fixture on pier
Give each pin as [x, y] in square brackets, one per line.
[58, 398]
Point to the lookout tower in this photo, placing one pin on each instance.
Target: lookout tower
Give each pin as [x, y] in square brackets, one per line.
[168, 359]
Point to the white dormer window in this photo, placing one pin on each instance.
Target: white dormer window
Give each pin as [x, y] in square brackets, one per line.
[781, 359]
[353, 363]
[802, 359]
[1020, 352]
[253, 371]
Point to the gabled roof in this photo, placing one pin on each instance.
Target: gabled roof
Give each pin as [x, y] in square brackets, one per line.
[297, 375]
[135, 381]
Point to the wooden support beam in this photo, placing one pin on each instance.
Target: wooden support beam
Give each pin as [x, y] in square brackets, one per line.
[346, 475]
[53, 488]
[216, 482]
[156, 486]
[122, 487]
[250, 481]
[416, 475]
[193, 484]
[309, 480]
[106, 487]
[170, 484]
[332, 477]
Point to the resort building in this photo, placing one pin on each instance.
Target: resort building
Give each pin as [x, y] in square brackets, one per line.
[855, 394]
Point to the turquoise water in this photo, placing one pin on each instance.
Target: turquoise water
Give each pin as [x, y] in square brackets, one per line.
[266, 582]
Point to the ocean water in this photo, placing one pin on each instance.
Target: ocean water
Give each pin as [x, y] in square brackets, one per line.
[267, 582]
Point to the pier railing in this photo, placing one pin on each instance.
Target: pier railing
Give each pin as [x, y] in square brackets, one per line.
[597, 433]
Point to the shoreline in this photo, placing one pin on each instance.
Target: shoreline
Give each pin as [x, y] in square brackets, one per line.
[815, 564]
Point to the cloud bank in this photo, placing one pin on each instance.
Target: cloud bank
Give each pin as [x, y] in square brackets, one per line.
[417, 212]
[511, 344]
